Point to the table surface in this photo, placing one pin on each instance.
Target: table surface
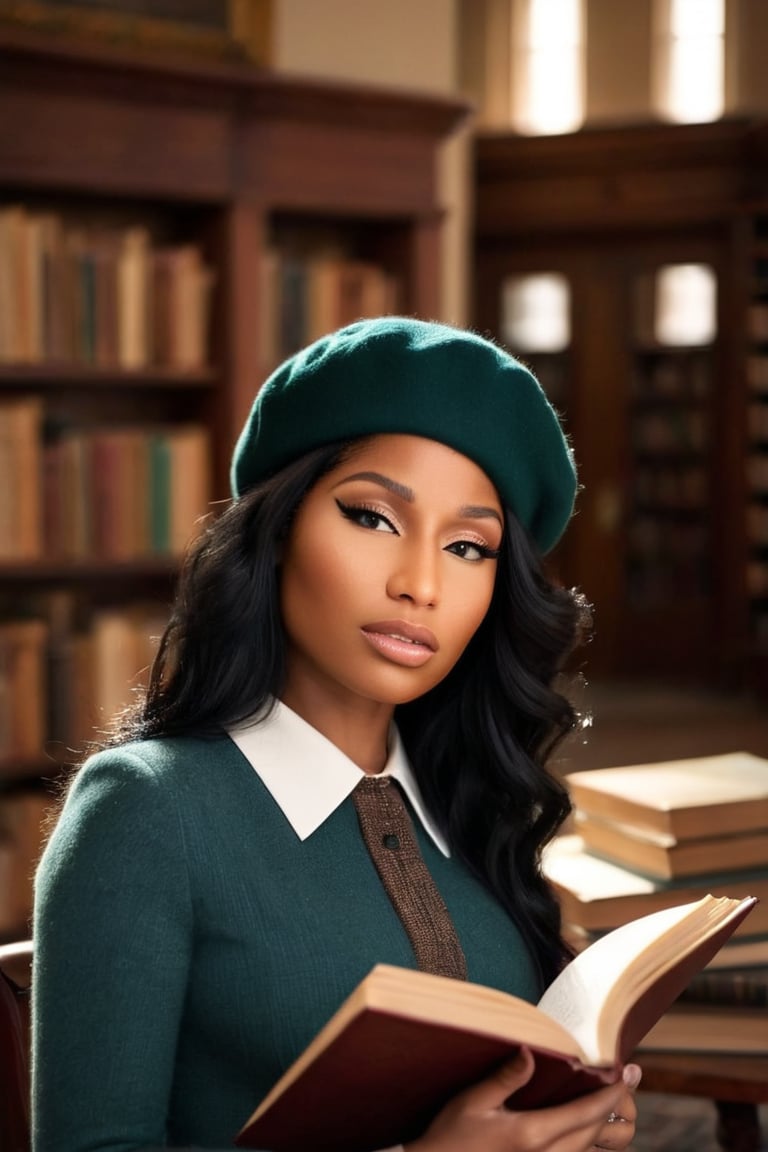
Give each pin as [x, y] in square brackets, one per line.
[719, 1077]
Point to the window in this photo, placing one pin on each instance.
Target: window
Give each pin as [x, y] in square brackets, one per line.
[536, 312]
[686, 305]
[547, 82]
[689, 80]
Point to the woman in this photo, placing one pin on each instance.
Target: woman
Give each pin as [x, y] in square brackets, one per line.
[339, 761]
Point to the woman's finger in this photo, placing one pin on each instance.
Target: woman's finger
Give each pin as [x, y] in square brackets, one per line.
[632, 1075]
[619, 1128]
[504, 1082]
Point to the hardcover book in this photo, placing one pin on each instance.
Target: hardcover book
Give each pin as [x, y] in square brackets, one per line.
[597, 895]
[405, 1041]
[660, 854]
[687, 799]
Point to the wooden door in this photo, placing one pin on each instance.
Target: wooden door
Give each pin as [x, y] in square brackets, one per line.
[642, 414]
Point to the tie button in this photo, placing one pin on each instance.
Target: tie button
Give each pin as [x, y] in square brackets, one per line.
[391, 840]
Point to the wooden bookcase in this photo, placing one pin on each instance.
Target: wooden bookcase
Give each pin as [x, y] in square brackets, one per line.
[252, 170]
[670, 537]
[757, 436]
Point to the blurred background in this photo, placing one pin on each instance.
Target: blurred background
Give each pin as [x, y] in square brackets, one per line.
[192, 189]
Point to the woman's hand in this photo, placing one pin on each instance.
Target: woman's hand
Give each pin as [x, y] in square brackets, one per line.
[477, 1120]
[619, 1128]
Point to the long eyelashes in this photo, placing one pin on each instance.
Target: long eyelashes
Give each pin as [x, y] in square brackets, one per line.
[374, 521]
[483, 550]
[365, 517]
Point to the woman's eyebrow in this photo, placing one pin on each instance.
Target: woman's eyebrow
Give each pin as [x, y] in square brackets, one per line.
[470, 511]
[385, 482]
[479, 512]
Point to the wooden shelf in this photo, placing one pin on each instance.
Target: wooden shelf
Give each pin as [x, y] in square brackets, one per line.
[606, 208]
[84, 376]
[228, 158]
[84, 571]
[29, 773]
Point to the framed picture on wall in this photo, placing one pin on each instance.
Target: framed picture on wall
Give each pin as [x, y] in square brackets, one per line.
[223, 27]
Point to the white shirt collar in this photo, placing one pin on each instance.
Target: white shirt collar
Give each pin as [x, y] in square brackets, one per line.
[309, 777]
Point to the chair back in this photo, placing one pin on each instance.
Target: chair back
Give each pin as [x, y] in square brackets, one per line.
[15, 984]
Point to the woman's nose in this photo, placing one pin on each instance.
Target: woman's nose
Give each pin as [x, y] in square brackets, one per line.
[416, 577]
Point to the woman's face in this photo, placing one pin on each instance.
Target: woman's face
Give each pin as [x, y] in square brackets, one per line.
[388, 571]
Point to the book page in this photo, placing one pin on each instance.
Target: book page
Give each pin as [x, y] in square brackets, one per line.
[566, 862]
[576, 998]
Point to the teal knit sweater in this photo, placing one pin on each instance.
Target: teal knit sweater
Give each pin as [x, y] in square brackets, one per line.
[189, 945]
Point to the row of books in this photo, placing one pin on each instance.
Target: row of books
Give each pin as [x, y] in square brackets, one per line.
[661, 579]
[757, 373]
[671, 486]
[99, 294]
[649, 837]
[305, 296]
[109, 492]
[670, 540]
[66, 674]
[667, 561]
[757, 577]
[673, 377]
[668, 429]
[757, 472]
[757, 523]
[759, 626]
[757, 320]
[757, 415]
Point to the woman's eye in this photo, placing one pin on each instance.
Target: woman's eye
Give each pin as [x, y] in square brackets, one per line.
[468, 550]
[365, 517]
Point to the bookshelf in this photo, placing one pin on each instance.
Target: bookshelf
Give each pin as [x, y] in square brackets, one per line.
[757, 437]
[671, 537]
[203, 180]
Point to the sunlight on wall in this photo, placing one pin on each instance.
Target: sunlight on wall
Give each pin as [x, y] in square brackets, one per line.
[547, 83]
[690, 59]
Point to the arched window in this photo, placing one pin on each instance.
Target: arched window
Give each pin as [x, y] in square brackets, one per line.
[689, 59]
[547, 74]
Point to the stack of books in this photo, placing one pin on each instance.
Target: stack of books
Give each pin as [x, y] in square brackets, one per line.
[651, 836]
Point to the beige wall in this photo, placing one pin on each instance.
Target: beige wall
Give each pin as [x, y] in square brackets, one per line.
[618, 71]
[408, 44]
[418, 45]
[620, 54]
[746, 64]
[619, 60]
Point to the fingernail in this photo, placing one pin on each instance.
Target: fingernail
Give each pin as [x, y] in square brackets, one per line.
[631, 1075]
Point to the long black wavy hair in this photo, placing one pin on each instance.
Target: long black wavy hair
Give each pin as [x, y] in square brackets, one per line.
[478, 742]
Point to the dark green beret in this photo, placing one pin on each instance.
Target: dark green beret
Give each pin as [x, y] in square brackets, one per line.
[408, 376]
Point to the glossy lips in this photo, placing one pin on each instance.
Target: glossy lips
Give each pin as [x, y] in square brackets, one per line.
[408, 644]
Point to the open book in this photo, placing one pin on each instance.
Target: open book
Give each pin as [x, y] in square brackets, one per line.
[405, 1041]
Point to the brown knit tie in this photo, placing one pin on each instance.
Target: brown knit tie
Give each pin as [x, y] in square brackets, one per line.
[390, 839]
